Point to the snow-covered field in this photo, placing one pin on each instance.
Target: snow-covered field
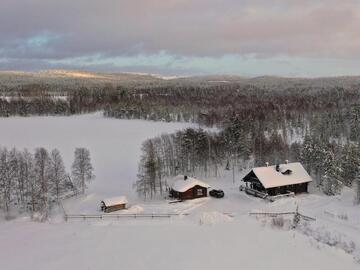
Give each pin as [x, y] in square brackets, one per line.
[216, 233]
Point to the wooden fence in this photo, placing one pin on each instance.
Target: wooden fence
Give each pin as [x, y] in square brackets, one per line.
[118, 216]
[275, 214]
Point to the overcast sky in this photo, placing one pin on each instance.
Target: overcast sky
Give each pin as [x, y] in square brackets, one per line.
[241, 37]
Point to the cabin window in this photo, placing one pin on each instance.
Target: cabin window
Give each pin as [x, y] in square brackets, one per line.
[199, 192]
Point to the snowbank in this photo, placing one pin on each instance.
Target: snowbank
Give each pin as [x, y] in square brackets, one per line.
[210, 218]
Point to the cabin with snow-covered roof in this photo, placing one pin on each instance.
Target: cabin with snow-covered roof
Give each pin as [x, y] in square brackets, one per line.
[185, 188]
[278, 179]
[113, 204]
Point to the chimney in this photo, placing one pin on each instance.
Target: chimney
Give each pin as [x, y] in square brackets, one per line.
[267, 164]
[286, 161]
[185, 177]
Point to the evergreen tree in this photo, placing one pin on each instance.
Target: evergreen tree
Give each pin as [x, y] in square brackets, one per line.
[357, 187]
[350, 162]
[355, 123]
[332, 179]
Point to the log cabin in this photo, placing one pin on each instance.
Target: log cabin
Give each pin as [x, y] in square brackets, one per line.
[113, 204]
[186, 188]
[278, 179]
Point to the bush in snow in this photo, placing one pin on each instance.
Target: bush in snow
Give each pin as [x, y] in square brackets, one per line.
[209, 218]
[330, 238]
[343, 216]
[278, 222]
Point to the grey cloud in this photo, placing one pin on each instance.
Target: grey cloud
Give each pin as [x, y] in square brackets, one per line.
[181, 27]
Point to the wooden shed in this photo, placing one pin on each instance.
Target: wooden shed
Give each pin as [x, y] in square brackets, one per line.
[185, 188]
[278, 179]
[113, 204]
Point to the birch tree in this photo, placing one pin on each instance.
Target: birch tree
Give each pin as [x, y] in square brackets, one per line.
[82, 170]
[42, 164]
[5, 179]
[57, 173]
[31, 186]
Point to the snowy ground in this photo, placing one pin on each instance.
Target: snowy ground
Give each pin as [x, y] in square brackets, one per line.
[217, 233]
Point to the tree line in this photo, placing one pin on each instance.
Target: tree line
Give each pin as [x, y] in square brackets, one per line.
[33, 182]
[207, 104]
[259, 120]
[332, 164]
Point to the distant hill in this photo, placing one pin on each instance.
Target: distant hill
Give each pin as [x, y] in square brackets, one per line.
[74, 79]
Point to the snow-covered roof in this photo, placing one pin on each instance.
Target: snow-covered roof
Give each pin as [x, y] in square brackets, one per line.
[269, 177]
[115, 201]
[181, 185]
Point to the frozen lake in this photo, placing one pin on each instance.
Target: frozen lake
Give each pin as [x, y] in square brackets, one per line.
[115, 145]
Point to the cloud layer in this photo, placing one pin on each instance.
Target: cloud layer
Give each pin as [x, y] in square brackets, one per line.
[41, 33]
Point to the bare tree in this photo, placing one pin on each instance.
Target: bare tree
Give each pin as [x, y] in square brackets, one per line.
[42, 164]
[82, 170]
[32, 188]
[5, 179]
[57, 173]
[21, 179]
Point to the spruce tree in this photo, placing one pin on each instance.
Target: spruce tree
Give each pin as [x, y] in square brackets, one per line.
[357, 188]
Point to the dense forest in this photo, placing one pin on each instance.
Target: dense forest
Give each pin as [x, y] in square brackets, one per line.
[314, 121]
[333, 164]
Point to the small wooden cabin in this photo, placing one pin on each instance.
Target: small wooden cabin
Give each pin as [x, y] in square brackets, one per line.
[278, 179]
[113, 204]
[186, 188]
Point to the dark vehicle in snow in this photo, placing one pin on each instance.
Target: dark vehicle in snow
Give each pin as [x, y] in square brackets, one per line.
[217, 193]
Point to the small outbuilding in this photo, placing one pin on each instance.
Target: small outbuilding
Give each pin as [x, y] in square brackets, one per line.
[278, 179]
[185, 188]
[114, 204]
